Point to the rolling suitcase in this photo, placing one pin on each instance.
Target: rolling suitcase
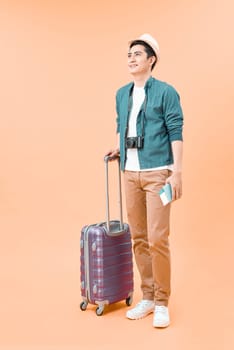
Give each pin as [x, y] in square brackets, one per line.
[106, 267]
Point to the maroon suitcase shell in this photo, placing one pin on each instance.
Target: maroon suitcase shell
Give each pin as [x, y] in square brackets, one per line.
[106, 267]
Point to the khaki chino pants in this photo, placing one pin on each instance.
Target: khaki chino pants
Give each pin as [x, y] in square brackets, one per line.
[149, 224]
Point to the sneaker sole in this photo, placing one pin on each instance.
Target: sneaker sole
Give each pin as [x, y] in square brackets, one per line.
[162, 325]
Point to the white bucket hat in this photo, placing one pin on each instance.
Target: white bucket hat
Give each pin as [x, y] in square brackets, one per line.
[150, 41]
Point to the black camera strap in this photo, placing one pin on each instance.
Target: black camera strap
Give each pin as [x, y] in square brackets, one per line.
[142, 109]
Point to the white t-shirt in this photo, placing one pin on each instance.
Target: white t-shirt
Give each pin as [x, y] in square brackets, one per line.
[132, 160]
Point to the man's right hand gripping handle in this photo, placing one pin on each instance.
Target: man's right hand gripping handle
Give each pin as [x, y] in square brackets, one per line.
[113, 154]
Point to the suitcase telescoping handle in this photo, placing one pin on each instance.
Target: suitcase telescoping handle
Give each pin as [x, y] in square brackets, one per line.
[113, 230]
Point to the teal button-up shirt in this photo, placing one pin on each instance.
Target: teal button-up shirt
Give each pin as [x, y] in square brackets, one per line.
[163, 122]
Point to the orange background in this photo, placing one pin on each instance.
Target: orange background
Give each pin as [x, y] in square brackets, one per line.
[61, 63]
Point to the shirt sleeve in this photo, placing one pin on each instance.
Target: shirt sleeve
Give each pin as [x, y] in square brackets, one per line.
[173, 114]
[117, 113]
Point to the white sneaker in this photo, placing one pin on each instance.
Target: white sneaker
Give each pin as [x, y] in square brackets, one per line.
[161, 316]
[142, 309]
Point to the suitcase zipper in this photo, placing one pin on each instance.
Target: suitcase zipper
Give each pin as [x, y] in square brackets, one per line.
[86, 262]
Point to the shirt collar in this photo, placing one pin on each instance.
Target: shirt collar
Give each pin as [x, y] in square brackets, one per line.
[147, 84]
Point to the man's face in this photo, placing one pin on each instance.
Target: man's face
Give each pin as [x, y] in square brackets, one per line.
[138, 63]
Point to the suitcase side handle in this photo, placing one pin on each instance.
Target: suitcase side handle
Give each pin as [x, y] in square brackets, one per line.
[110, 230]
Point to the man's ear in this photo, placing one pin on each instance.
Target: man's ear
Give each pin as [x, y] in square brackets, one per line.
[152, 59]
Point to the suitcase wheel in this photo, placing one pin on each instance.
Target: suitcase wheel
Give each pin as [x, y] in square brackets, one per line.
[129, 301]
[83, 305]
[99, 310]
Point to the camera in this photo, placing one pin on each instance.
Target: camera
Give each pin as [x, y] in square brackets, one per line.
[134, 142]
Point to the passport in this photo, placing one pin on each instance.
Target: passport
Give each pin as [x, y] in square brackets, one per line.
[166, 194]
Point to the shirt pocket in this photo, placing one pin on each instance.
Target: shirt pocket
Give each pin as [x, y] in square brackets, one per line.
[154, 111]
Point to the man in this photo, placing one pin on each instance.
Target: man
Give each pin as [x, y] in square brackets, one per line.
[149, 128]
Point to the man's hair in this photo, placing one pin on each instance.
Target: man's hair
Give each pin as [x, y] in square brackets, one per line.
[148, 49]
